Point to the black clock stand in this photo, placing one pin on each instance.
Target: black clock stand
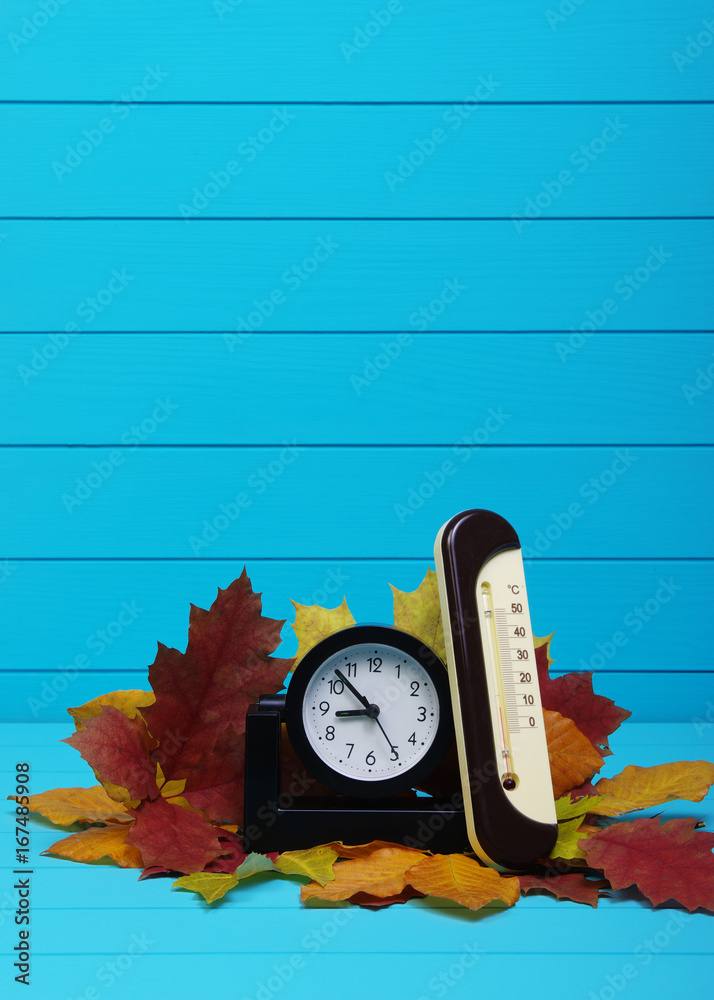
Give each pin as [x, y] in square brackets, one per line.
[277, 820]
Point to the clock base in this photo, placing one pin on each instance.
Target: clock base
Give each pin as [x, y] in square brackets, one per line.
[275, 820]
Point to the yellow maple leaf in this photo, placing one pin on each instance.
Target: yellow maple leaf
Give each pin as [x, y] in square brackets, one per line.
[65, 806]
[454, 876]
[313, 623]
[381, 873]
[99, 842]
[419, 612]
[573, 759]
[642, 787]
[569, 832]
[565, 809]
[128, 702]
[315, 863]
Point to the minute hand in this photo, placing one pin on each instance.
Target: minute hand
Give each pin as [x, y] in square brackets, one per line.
[353, 689]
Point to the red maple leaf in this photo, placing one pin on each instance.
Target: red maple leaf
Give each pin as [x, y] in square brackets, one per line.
[172, 837]
[572, 886]
[199, 693]
[572, 695]
[670, 860]
[119, 751]
[378, 902]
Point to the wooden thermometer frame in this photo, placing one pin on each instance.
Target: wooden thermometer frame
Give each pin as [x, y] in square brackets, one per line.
[503, 835]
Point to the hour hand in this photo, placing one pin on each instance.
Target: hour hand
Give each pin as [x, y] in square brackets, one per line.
[352, 711]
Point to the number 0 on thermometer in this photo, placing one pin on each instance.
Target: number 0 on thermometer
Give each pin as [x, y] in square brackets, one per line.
[498, 718]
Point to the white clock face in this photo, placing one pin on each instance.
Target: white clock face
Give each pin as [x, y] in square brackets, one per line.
[368, 744]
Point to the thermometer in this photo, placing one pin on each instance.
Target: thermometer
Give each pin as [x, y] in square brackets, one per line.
[498, 718]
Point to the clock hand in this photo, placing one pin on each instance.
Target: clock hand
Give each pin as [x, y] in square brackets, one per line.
[353, 689]
[371, 711]
[352, 711]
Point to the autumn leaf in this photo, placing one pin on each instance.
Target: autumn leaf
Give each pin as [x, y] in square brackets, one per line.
[572, 756]
[173, 837]
[314, 623]
[380, 873]
[315, 863]
[200, 693]
[362, 850]
[454, 876]
[118, 750]
[566, 808]
[419, 612]
[642, 787]
[379, 902]
[232, 854]
[572, 695]
[213, 886]
[569, 833]
[65, 806]
[217, 787]
[574, 887]
[665, 861]
[128, 702]
[99, 842]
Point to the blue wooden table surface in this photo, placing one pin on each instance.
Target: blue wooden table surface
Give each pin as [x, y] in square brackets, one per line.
[312, 253]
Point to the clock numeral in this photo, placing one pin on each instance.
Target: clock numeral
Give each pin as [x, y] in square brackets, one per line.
[415, 689]
[324, 707]
[399, 669]
[422, 715]
[375, 665]
[412, 739]
[336, 687]
[370, 758]
[330, 733]
[395, 755]
[351, 746]
[351, 669]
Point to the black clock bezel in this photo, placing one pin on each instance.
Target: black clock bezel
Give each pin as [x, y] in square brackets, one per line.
[313, 660]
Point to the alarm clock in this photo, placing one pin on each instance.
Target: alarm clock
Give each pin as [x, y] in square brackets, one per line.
[368, 711]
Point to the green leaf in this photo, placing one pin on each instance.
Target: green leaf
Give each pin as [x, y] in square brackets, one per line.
[565, 809]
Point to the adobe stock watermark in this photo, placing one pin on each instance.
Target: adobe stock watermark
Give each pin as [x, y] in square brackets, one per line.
[436, 479]
[249, 150]
[7, 568]
[591, 490]
[113, 971]
[632, 624]
[282, 973]
[624, 288]
[87, 310]
[581, 158]
[223, 7]
[440, 984]
[102, 470]
[257, 483]
[703, 380]
[91, 138]
[695, 46]
[292, 279]
[643, 955]
[424, 148]
[31, 26]
[565, 10]
[97, 642]
[330, 587]
[703, 723]
[371, 29]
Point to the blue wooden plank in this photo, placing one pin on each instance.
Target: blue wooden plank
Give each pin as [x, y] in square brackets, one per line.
[341, 275]
[336, 160]
[277, 50]
[436, 389]
[291, 501]
[584, 603]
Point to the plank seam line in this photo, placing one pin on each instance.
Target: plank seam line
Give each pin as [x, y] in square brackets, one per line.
[356, 218]
[370, 559]
[442, 103]
[329, 333]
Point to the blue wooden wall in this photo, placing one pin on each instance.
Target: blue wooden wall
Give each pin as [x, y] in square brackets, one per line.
[364, 267]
